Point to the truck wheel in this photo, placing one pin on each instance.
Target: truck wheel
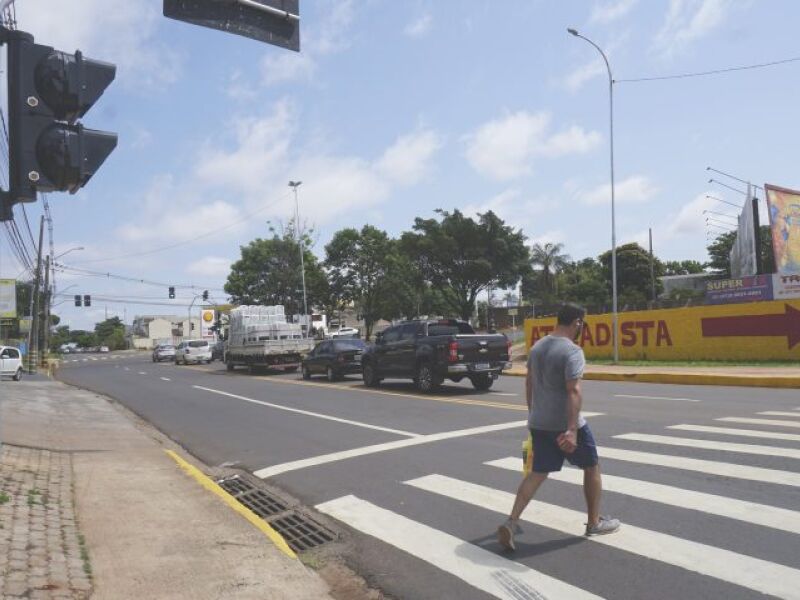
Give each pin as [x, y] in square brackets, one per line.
[482, 382]
[18, 375]
[370, 376]
[306, 373]
[331, 374]
[425, 379]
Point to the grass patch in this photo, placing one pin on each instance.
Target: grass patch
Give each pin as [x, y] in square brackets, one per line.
[34, 497]
[87, 565]
[4, 498]
[695, 363]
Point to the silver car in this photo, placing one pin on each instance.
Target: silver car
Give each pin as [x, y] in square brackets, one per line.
[10, 362]
[164, 352]
[193, 351]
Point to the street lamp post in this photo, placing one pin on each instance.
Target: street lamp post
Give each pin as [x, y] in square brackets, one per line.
[294, 185]
[615, 316]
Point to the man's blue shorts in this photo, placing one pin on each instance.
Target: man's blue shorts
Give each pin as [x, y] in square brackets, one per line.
[548, 457]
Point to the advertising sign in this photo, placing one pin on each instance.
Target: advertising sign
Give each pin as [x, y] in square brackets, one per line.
[207, 316]
[784, 218]
[8, 299]
[743, 256]
[785, 286]
[742, 289]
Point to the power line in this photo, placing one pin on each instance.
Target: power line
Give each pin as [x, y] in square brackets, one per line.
[712, 72]
[89, 273]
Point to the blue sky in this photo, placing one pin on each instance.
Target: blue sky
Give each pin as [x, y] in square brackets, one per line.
[394, 109]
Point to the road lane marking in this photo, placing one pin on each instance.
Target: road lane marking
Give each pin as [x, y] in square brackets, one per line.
[165, 379]
[749, 421]
[746, 571]
[779, 413]
[707, 467]
[484, 570]
[711, 445]
[723, 506]
[375, 448]
[142, 373]
[503, 394]
[309, 413]
[127, 369]
[772, 435]
[655, 398]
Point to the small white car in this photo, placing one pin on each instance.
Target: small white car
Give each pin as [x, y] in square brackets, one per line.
[10, 362]
[344, 332]
[193, 351]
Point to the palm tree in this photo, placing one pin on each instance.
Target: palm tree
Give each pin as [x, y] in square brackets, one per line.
[550, 260]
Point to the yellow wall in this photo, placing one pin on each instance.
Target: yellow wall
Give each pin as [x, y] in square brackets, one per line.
[752, 331]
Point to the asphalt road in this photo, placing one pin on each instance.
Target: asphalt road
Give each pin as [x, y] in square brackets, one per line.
[705, 479]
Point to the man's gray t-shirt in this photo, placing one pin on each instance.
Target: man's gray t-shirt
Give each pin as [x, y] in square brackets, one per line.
[553, 360]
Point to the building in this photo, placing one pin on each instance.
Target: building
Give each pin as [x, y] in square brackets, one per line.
[695, 282]
[148, 331]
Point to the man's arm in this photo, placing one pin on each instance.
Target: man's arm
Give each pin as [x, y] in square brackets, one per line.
[568, 441]
[529, 388]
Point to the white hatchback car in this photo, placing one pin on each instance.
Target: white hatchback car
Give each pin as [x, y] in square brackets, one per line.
[10, 362]
[193, 351]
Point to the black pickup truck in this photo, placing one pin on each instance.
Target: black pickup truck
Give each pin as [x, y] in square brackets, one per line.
[431, 351]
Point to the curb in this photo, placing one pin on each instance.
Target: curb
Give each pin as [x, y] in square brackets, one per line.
[212, 486]
[691, 379]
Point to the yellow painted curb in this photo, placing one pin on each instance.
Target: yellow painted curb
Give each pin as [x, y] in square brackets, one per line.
[212, 486]
[692, 379]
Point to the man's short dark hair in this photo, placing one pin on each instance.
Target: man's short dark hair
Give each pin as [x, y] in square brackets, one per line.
[569, 312]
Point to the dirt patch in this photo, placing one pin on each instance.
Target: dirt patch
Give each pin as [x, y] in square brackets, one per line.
[345, 584]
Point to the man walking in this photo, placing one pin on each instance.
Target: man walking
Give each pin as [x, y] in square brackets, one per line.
[553, 394]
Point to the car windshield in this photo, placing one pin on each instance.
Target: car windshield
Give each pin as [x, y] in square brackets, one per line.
[168, 347]
[349, 345]
[198, 344]
[449, 328]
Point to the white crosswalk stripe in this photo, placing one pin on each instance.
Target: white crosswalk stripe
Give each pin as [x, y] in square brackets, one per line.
[772, 435]
[749, 512]
[746, 571]
[711, 445]
[480, 568]
[750, 421]
[779, 413]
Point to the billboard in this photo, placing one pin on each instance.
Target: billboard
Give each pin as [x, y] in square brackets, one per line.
[207, 317]
[785, 286]
[784, 219]
[742, 289]
[8, 299]
[744, 253]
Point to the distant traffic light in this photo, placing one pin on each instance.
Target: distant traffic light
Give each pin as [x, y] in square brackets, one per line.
[48, 91]
[205, 295]
[87, 300]
[171, 293]
[77, 299]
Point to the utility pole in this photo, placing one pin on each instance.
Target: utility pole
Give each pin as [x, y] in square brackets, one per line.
[33, 343]
[294, 185]
[48, 297]
[652, 267]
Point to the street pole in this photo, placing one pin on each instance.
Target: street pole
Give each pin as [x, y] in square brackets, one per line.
[615, 315]
[652, 266]
[33, 339]
[48, 296]
[294, 185]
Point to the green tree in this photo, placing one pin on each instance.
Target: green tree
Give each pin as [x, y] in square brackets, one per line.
[683, 267]
[269, 272]
[584, 282]
[719, 252]
[633, 274]
[111, 333]
[463, 257]
[549, 260]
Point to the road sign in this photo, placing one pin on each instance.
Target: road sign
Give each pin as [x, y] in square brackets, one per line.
[275, 22]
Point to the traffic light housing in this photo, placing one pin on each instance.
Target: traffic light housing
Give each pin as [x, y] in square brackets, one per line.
[48, 91]
[77, 300]
[87, 300]
[205, 295]
[171, 293]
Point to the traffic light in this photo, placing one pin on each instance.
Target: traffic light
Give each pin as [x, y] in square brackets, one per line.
[48, 91]
[87, 300]
[77, 299]
[171, 293]
[205, 295]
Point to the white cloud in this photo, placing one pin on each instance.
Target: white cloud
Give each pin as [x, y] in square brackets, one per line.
[690, 219]
[287, 66]
[633, 190]
[408, 159]
[553, 236]
[117, 31]
[575, 80]
[688, 21]
[611, 10]
[210, 266]
[239, 88]
[505, 148]
[419, 27]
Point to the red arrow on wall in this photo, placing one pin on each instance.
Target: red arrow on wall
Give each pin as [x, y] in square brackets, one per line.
[778, 325]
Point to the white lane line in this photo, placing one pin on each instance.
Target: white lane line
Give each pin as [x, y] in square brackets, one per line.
[309, 413]
[142, 373]
[738, 569]
[484, 570]
[165, 379]
[85, 360]
[749, 421]
[503, 394]
[127, 369]
[655, 398]
[711, 445]
[779, 413]
[723, 506]
[772, 435]
[707, 467]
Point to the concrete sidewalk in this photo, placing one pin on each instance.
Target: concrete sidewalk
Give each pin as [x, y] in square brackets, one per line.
[775, 377]
[91, 505]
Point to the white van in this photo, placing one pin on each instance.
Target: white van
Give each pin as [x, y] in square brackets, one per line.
[10, 362]
[195, 351]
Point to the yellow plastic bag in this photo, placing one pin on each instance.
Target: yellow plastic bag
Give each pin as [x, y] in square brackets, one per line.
[527, 455]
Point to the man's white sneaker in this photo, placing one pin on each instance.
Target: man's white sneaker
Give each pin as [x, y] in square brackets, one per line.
[505, 535]
[604, 525]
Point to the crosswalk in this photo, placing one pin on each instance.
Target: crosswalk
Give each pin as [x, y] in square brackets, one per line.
[477, 561]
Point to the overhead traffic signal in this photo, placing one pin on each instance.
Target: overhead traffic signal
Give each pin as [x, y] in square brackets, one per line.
[205, 295]
[77, 300]
[87, 300]
[171, 293]
[48, 91]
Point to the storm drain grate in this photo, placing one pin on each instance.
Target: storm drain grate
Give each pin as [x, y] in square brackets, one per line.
[256, 500]
[235, 485]
[301, 533]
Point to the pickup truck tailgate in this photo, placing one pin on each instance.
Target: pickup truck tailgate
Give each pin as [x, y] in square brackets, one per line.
[482, 348]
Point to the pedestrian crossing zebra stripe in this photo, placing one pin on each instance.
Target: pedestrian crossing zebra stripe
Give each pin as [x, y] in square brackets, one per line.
[773, 435]
[746, 571]
[749, 421]
[711, 445]
[749, 512]
[484, 570]
[708, 467]
[779, 413]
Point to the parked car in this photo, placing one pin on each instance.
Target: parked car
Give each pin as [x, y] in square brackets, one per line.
[431, 351]
[10, 362]
[163, 352]
[104, 349]
[193, 351]
[218, 351]
[344, 332]
[335, 358]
